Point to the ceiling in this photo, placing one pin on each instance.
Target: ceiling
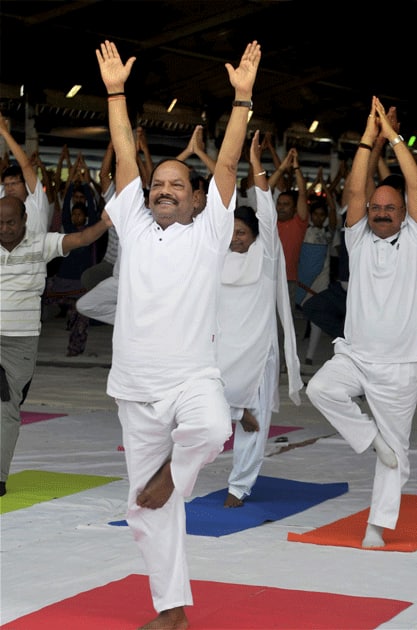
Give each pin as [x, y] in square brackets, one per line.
[320, 60]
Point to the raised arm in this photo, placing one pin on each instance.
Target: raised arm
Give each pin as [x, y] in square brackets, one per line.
[106, 169]
[242, 80]
[404, 156]
[377, 165]
[280, 178]
[145, 163]
[358, 179]
[196, 147]
[255, 156]
[24, 161]
[302, 205]
[84, 237]
[115, 74]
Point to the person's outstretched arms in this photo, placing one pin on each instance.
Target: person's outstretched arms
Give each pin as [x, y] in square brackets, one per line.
[358, 179]
[255, 156]
[377, 164]
[242, 80]
[196, 147]
[280, 178]
[106, 169]
[200, 149]
[404, 156]
[84, 237]
[145, 163]
[24, 161]
[302, 204]
[115, 74]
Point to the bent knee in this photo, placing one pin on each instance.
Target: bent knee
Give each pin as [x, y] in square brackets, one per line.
[314, 388]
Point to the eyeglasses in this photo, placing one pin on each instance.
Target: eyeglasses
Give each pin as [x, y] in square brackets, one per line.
[389, 208]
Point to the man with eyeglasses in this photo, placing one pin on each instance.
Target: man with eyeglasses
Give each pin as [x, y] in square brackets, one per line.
[378, 356]
[20, 180]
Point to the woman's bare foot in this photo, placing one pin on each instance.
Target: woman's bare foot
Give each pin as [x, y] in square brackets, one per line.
[232, 501]
[157, 491]
[373, 536]
[249, 422]
[173, 619]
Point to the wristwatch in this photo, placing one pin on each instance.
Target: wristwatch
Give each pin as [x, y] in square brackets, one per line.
[396, 141]
[243, 104]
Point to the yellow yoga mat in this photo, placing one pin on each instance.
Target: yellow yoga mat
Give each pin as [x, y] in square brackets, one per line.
[28, 487]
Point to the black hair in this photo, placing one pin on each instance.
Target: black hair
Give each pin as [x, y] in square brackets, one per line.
[80, 205]
[78, 189]
[196, 178]
[171, 160]
[13, 170]
[248, 216]
[290, 193]
[318, 202]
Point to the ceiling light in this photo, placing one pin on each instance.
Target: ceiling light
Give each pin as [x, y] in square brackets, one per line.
[172, 105]
[73, 91]
[22, 90]
[313, 126]
[250, 114]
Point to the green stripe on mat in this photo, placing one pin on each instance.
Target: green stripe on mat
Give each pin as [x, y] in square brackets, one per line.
[28, 487]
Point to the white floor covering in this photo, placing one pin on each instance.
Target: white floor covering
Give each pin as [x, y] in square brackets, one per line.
[57, 549]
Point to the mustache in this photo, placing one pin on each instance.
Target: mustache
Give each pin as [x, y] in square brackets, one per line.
[382, 220]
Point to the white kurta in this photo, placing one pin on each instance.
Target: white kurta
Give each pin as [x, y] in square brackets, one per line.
[164, 373]
[247, 311]
[248, 341]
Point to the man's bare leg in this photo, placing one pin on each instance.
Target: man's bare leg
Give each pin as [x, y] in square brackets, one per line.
[173, 619]
[157, 491]
[249, 422]
[373, 536]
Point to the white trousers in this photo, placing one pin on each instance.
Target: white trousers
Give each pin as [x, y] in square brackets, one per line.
[189, 427]
[391, 393]
[249, 447]
[101, 301]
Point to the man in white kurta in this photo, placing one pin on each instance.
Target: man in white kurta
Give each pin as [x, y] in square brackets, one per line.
[378, 355]
[164, 374]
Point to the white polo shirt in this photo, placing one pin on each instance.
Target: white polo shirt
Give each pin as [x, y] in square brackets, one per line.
[23, 274]
[381, 317]
[165, 326]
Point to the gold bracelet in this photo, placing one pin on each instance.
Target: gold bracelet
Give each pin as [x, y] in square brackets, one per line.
[259, 174]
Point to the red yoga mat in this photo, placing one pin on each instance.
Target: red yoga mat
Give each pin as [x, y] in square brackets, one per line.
[126, 605]
[27, 417]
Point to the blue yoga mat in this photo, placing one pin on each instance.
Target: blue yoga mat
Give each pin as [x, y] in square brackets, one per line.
[272, 499]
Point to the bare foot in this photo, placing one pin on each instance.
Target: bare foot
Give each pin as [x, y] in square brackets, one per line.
[156, 493]
[249, 422]
[384, 452]
[173, 619]
[373, 536]
[232, 501]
